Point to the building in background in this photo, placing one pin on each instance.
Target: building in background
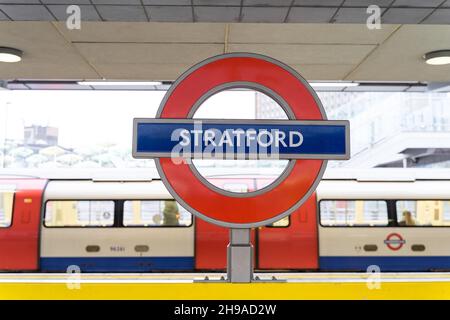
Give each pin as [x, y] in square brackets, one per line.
[388, 129]
[36, 135]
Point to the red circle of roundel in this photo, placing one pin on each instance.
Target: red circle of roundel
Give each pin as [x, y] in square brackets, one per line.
[233, 209]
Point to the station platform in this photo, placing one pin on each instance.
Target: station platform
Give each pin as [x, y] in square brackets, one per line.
[192, 286]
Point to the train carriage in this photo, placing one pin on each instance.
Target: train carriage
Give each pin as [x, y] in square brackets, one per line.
[381, 219]
[390, 225]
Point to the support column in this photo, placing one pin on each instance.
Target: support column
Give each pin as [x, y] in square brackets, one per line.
[240, 256]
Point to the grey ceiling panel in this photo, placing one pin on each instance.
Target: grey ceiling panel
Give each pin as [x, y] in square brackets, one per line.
[122, 13]
[19, 1]
[352, 15]
[308, 15]
[217, 3]
[366, 3]
[66, 2]
[262, 11]
[88, 12]
[267, 3]
[27, 12]
[440, 16]
[334, 3]
[403, 15]
[261, 14]
[170, 13]
[111, 2]
[417, 3]
[167, 2]
[217, 14]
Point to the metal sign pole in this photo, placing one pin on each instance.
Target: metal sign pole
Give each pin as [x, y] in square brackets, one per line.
[240, 256]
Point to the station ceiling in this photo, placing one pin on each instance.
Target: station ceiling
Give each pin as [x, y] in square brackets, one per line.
[159, 39]
[162, 51]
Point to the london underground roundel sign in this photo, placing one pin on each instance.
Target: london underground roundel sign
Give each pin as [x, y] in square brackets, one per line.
[307, 139]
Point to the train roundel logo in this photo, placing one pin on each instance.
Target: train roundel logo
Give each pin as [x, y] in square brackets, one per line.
[394, 241]
[307, 139]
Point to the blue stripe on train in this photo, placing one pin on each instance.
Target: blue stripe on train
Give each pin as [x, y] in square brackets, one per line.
[385, 263]
[118, 264]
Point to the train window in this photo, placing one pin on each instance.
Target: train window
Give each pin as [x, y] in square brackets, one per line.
[79, 213]
[155, 213]
[353, 213]
[6, 207]
[282, 223]
[412, 213]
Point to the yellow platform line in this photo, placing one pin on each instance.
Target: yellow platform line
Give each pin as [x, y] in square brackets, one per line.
[225, 291]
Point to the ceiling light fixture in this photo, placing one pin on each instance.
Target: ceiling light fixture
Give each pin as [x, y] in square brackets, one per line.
[119, 83]
[10, 54]
[333, 84]
[437, 58]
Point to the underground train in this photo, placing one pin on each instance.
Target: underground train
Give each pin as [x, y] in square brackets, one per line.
[395, 220]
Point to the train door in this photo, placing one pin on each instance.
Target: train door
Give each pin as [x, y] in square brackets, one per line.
[211, 243]
[20, 208]
[292, 242]
[210, 246]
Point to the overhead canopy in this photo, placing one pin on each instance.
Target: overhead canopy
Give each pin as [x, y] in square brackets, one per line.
[162, 51]
[159, 39]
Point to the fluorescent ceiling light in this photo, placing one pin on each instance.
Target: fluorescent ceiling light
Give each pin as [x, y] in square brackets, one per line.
[333, 84]
[10, 54]
[437, 58]
[119, 83]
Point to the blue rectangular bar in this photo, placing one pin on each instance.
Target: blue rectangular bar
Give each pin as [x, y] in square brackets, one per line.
[284, 139]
